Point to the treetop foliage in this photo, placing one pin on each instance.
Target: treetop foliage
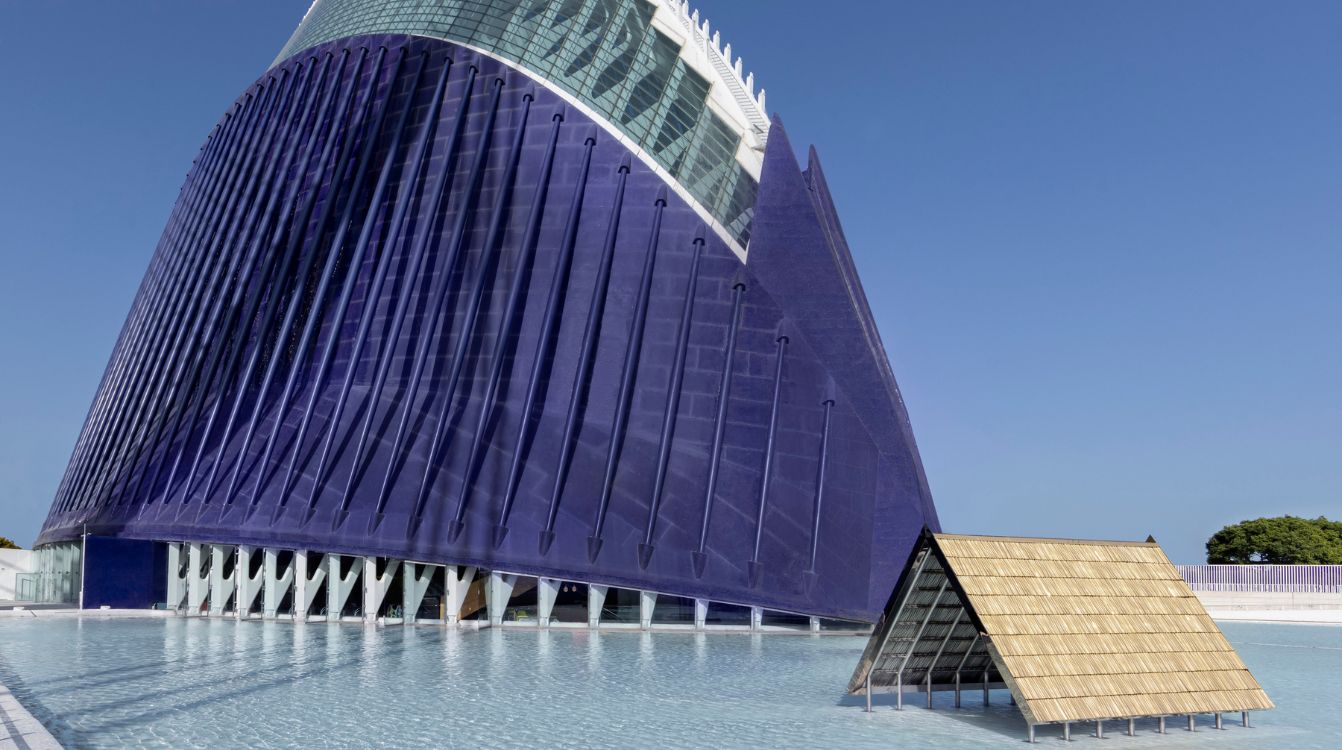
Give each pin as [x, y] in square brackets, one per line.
[5, 543]
[1285, 540]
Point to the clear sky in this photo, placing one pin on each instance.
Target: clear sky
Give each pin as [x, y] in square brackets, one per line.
[1103, 241]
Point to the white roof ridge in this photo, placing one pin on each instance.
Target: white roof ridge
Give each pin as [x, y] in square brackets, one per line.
[729, 70]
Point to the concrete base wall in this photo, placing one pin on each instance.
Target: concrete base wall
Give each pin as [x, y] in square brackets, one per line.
[12, 563]
[1268, 600]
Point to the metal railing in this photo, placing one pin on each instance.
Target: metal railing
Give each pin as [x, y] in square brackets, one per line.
[1277, 578]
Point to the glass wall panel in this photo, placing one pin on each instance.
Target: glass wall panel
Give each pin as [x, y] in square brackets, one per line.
[603, 52]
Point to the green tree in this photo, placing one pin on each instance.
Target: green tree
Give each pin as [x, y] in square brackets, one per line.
[1286, 540]
[6, 544]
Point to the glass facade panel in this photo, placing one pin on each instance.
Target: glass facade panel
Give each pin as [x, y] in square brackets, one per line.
[603, 52]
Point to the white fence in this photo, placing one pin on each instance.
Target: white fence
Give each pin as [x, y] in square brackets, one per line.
[1325, 579]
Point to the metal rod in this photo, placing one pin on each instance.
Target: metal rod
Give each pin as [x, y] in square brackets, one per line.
[295, 305]
[410, 179]
[868, 692]
[1067, 731]
[325, 356]
[261, 123]
[163, 284]
[274, 136]
[257, 265]
[484, 265]
[405, 402]
[545, 343]
[957, 689]
[899, 690]
[941, 649]
[1132, 727]
[270, 269]
[294, 251]
[319, 298]
[633, 349]
[512, 306]
[931, 610]
[1218, 721]
[1244, 719]
[1192, 725]
[894, 621]
[673, 389]
[1161, 728]
[719, 429]
[587, 349]
[820, 484]
[985, 687]
[177, 250]
[1031, 733]
[767, 472]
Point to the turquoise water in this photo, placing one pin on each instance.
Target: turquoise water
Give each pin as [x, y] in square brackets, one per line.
[181, 683]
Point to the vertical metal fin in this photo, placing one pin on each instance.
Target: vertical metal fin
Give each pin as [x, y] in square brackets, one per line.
[699, 558]
[545, 341]
[672, 404]
[587, 351]
[627, 374]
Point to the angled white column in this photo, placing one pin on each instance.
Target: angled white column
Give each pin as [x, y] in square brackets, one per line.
[307, 585]
[248, 585]
[756, 618]
[498, 590]
[276, 584]
[458, 584]
[177, 578]
[596, 601]
[700, 614]
[197, 583]
[547, 591]
[415, 582]
[221, 586]
[647, 602]
[339, 587]
[375, 586]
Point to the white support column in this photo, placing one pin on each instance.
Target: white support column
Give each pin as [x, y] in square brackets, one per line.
[221, 586]
[306, 586]
[596, 601]
[375, 586]
[414, 582]
[276, 585]
[498, 590]
[248, 585]
[547, 590]
[700, 614]
[197, 584]
[756, 618]
[458, 583]
[647, 602]
[176, 579]
[815, 624]
[338, 587]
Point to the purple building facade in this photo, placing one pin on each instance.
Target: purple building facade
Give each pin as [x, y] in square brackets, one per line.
[423, 300]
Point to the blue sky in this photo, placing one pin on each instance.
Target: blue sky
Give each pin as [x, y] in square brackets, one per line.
[1103, 241]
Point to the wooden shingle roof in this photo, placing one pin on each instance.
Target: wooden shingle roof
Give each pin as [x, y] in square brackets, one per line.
[1077, 630]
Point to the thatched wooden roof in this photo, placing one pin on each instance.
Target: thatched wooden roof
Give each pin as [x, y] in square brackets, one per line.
[1077, 630]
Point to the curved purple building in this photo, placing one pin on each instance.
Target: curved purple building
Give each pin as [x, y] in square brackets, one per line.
[531, 289]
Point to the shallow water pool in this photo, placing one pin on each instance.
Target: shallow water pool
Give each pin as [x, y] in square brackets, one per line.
[174, 682]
